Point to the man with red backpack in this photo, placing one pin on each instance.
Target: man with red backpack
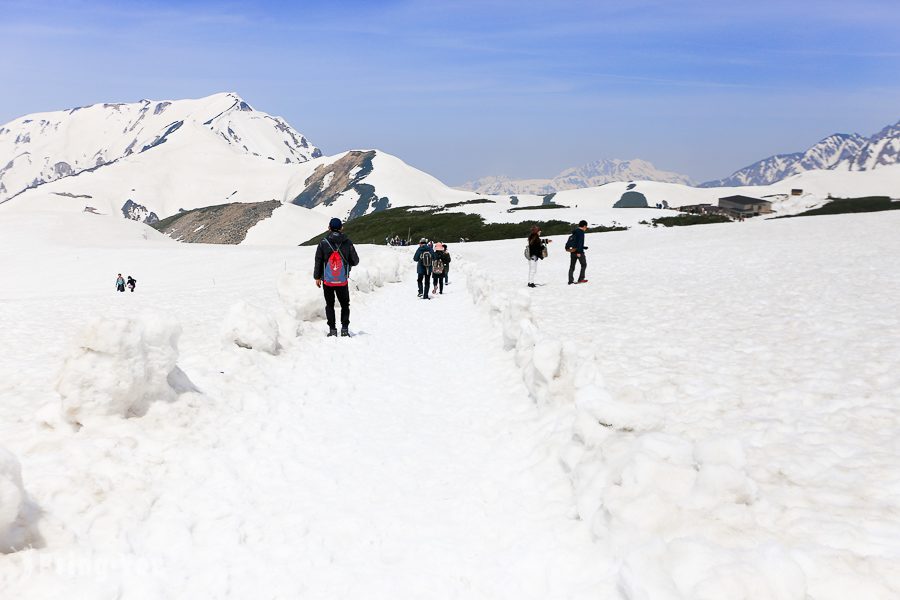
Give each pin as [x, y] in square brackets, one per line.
[335, 256]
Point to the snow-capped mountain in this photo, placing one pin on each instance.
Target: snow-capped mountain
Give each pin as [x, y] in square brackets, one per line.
[44, 147]
[839, 151]
[592, 174]
[881, 149]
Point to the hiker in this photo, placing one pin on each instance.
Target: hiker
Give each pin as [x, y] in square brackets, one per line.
[447, 266]
[131, 283]
[537, 250]
[335, 256]
[439, 268]
[575, 245]
[120, 283]
[424, 257]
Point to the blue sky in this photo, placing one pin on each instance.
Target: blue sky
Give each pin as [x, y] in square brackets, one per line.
[463, 89]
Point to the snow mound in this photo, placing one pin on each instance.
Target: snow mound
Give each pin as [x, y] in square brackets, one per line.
[300, 297]
[641, 490]
[378, 270]
[119, 367]
[13, 529]
[251, 327]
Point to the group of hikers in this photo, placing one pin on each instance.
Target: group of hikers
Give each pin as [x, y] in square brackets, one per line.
[433, 263]
[537, 250]
[396, 241]
[121, 283]
[336, 256]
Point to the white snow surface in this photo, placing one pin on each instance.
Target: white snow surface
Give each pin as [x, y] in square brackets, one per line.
[716, 414]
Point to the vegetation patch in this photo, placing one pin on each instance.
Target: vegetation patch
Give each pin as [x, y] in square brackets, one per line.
[840, 206]
[538, 207]
[476, 201]
[687, 219]
[413, 223]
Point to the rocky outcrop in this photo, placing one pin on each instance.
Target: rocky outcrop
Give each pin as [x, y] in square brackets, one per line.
[329, 182]
[222, 224]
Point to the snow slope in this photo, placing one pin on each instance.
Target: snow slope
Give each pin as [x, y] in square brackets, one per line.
[44, 147]
[715, 415]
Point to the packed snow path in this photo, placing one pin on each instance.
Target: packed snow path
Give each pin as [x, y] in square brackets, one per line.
[405, 462]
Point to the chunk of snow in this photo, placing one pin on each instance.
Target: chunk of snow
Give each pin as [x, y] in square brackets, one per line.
[252, 327]
[119, 367]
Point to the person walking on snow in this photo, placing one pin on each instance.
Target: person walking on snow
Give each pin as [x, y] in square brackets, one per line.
[131, 283]
[441, 261]
[120, 283]
[424, 259]
[447, 266]
[335, 256]
[576, 247]
[536, 251]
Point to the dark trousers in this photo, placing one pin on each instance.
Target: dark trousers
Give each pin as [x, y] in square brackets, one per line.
[439, 282]
[447, 273]
[426, 277]
[572, 259]
[343, 296]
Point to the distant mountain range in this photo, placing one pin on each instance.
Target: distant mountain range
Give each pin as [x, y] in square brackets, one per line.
[840, 151]
[590, 175]
[152, 160]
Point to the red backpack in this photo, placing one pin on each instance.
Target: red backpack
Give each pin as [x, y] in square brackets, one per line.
[335, 269]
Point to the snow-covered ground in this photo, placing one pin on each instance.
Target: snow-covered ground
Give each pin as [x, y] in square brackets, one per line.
[715, 415]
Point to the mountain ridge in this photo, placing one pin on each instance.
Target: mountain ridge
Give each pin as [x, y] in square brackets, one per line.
[838, 151]
[592, 174]
[48, 146]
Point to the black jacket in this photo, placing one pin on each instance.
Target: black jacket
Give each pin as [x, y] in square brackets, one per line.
[535, 245]
[441, 255]
[343, 245]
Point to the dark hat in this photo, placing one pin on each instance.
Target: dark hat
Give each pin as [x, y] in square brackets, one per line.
[335, 224]
[582, 223]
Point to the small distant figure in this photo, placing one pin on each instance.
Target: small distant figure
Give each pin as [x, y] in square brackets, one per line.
[120, 283]
[441, 261]
[131, 283]
[335, 256]
[575, 245]
[424, 258]
[537, 250]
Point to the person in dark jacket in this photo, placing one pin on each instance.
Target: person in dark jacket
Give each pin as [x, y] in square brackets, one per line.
[439, 267]
[447, 268]
[336, 284]
[423, 268]
[131, 283]
[577, 252]
[535, 252]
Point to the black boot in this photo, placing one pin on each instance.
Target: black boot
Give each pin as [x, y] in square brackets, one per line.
[345, 332]
[332, 332]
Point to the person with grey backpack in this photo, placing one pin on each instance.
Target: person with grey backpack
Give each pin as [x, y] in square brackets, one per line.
[424, 259]
[439, 268]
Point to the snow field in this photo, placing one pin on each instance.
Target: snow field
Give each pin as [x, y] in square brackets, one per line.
[730, 430]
